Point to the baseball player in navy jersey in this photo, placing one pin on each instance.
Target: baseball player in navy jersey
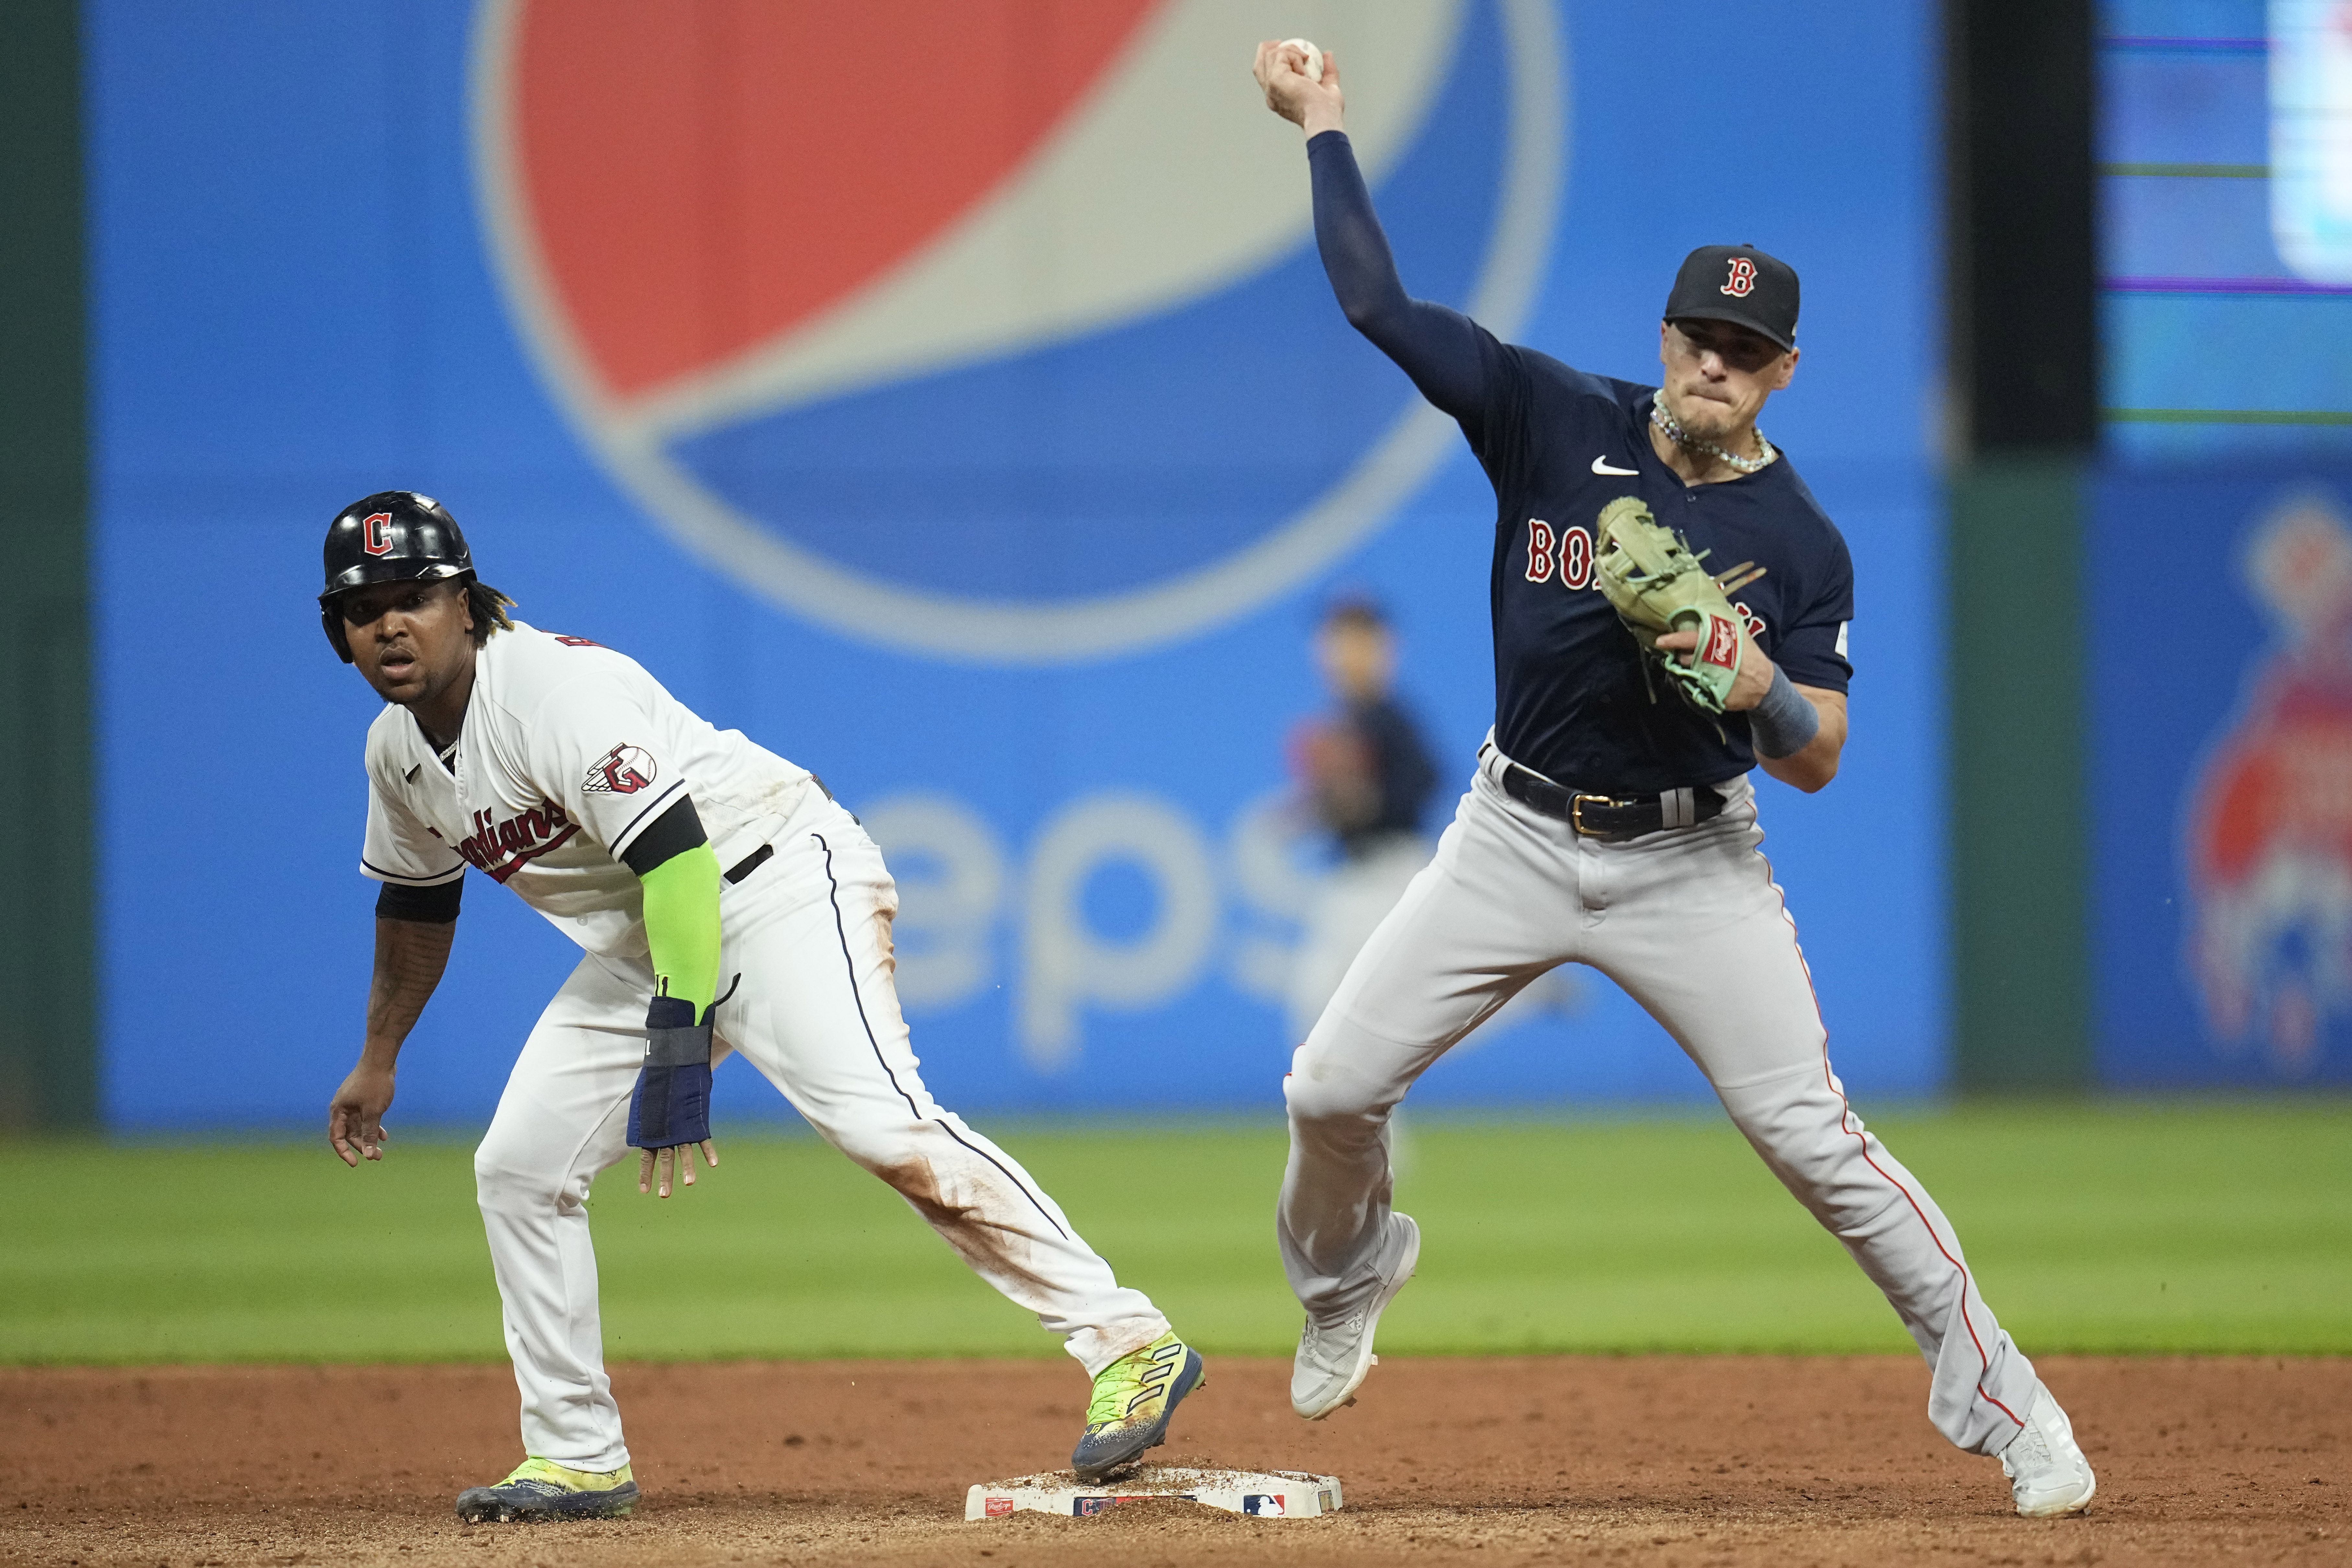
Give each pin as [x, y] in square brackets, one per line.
[725, 902]
[1611, 823]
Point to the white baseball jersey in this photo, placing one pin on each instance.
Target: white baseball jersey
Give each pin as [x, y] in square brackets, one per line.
[568, 752]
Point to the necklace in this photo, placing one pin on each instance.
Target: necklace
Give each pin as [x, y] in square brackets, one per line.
[1673, 431]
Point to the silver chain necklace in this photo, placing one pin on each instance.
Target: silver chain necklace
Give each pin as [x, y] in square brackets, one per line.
[1673, 431]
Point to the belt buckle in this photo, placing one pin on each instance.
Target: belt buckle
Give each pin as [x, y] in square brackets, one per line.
[1576, 815]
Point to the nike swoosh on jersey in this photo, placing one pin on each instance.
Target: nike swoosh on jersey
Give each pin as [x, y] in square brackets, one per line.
[1600, 465]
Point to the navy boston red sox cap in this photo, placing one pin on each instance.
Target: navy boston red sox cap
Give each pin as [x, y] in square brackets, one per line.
[1740, 284]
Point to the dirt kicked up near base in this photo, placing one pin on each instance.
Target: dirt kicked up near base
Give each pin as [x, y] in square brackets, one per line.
[1683, 1460]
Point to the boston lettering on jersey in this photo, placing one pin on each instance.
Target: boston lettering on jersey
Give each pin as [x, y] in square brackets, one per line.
[502, 848]
[1572, 698]
[1571, 550]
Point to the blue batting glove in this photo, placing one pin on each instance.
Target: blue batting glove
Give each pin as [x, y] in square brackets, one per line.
[671, 1103]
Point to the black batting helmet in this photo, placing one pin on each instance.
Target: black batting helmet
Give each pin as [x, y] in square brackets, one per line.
[393, 536]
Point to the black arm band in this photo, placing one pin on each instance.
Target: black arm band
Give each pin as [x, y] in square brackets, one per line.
[435, 906]
[669, 835]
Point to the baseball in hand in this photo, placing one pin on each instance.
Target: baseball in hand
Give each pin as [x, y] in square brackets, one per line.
[1314, 56]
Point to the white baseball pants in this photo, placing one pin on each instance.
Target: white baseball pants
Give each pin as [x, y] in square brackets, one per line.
[817, 1013]
[1690, 923]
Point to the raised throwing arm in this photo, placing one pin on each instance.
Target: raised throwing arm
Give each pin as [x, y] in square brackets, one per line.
[1437, 347]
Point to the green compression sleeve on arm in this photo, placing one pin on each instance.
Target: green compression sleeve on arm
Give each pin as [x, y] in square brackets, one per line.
[681, 898]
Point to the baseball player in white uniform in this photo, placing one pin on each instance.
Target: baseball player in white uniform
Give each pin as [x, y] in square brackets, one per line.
[1611, 823]
[725, 902]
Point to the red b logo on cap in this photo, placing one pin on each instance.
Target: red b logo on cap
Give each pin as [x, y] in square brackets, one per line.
[375, 533]
[1742, 281]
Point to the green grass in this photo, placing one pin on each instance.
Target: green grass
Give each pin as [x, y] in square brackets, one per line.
[2100, 1228]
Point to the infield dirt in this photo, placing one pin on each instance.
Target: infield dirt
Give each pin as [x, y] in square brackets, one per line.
[1684, 1461]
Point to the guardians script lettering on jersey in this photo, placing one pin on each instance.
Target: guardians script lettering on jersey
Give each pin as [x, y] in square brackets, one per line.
[500, 849]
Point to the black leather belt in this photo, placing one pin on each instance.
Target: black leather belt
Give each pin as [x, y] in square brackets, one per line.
[751, 863]
[1608, 817]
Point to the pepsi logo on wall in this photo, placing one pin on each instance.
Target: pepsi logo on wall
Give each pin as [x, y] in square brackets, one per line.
[995, 331]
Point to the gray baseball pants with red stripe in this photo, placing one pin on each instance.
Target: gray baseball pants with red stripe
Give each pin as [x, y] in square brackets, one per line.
[1690, 923]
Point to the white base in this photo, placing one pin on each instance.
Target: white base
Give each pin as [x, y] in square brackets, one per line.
[1268, 1494]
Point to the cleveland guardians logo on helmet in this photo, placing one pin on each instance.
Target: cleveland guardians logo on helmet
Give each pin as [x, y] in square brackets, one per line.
[393, 536]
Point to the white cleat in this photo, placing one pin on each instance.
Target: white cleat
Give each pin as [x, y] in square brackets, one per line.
[2047, 1473]
[1335, 1357]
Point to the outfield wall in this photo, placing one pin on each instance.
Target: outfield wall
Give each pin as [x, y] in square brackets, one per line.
[990, 455]
[2218, 552]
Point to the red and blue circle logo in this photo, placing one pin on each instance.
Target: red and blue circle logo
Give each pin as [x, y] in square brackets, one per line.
[995, 330]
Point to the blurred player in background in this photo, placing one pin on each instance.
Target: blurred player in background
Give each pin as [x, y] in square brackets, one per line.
[1366, 776]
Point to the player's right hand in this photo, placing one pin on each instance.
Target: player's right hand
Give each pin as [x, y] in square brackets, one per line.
[1312, 106]
[355, 1115]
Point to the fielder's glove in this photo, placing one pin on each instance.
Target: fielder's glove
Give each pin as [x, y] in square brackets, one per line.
[1656, 585]
[671, 1103]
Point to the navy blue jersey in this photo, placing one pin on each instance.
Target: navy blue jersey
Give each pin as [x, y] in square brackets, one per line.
[1572, 700]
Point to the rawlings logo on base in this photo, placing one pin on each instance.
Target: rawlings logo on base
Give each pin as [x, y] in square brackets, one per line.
[1267, 1494]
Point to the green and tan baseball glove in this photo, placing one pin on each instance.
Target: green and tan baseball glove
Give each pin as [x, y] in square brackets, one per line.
[1656, 585]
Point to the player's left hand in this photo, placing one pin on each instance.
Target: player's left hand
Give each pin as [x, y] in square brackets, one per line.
[676, 1160]
[1748, 686]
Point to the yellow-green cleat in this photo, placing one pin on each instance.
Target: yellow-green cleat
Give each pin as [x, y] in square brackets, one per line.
[1134, 1397]
[541, 1490]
